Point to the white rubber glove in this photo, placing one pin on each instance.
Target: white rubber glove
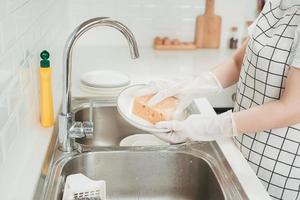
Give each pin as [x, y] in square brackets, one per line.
[185, 90]
[198, 128]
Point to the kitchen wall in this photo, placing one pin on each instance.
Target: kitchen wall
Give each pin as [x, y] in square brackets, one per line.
[150, 18]
[26, 28]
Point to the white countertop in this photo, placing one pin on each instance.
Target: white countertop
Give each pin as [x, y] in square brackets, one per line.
[22, 171]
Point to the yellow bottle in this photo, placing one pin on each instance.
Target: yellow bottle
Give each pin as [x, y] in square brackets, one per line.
[46, 99]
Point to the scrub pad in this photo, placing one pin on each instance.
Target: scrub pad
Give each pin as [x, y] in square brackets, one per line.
[162, 111]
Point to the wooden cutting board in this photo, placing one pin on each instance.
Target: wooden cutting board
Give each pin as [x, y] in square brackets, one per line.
[208, 28]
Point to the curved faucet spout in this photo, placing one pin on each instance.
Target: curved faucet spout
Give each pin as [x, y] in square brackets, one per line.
[66, 118]
[76, 34]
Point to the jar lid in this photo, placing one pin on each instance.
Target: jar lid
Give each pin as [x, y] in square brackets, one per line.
[234, 28]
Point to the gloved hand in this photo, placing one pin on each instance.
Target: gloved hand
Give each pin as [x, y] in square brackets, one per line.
[185, 90]
[198, 127]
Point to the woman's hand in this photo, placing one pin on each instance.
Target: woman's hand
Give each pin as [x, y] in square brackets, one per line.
[185, 90]
[198, 128]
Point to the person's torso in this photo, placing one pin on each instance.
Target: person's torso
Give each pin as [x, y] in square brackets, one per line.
[274, 154]
[267, 57]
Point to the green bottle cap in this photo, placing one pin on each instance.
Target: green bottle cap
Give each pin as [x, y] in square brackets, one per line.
[45, 56]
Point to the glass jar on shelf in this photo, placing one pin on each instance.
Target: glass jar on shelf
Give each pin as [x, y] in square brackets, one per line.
[233, 38]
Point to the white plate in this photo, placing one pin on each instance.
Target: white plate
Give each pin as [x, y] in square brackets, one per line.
[105, 79]
[115, 89]
[102, 91]
[142, 140]
[125, 104]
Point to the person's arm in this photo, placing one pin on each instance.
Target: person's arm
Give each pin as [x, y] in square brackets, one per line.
[275, 114]
[228, 72]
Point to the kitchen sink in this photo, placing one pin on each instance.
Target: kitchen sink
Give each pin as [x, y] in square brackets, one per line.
[109, 127]
[191, 171]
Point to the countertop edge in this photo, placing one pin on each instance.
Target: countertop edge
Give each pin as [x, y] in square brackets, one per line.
[246, 176]
[23, 173]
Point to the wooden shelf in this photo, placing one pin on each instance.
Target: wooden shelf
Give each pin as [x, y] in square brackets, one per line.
[181, 47]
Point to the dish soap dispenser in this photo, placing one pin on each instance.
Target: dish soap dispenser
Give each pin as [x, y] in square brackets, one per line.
[46, 100]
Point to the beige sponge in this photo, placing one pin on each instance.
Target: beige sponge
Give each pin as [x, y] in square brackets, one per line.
[162, 111]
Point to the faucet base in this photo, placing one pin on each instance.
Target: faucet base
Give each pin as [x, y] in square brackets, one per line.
[75, 147]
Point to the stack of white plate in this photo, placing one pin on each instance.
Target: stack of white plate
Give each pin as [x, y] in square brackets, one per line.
[104, 83]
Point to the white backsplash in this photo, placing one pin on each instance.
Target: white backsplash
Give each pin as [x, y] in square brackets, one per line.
[26, 28]
[29, 26]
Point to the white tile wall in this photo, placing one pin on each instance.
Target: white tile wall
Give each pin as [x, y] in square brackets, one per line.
[150, 18]
[26, 28]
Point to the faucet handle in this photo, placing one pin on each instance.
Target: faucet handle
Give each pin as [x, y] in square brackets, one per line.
[88, 129]
[76, 130]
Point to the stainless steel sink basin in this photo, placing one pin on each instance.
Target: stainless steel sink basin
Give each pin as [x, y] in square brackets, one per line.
[109, 127]
[187, 172]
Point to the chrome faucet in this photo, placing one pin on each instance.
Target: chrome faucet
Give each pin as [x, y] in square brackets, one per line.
[69, 130]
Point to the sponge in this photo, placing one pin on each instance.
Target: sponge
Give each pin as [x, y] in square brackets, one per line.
[162, 111]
